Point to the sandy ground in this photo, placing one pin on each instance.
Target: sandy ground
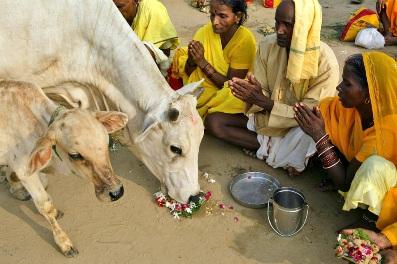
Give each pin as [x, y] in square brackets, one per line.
[135, 230]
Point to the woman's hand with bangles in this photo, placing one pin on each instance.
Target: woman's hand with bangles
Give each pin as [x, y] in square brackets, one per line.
[310, 121]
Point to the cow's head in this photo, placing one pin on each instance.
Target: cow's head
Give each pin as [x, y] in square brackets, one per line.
[80, 138]
[170, 146]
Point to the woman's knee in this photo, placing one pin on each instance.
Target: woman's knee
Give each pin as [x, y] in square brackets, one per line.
[377, 169]
[215, 125]
[378, 162]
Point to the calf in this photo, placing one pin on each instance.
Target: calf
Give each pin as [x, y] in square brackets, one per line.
[32, 128]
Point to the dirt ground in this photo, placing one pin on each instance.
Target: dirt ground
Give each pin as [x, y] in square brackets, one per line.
[135, 230]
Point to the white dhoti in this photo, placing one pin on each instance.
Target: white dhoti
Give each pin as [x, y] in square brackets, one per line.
[292, 150]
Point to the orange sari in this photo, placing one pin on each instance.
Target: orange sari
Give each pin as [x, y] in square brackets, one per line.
[343, 125]
[391, 11]
[387, 221]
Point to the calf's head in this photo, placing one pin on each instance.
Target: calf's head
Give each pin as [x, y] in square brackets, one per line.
[80, 138]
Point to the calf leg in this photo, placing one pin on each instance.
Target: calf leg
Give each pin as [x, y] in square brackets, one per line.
[45, 206]
[16, 188]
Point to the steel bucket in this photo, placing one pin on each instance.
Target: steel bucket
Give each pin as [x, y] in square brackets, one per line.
[289, 213]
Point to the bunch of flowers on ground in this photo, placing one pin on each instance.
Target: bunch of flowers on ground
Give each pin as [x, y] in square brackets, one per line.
[358, 248]
[179, 210]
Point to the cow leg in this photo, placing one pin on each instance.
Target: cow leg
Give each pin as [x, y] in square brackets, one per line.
[45, 206]
[16, 188]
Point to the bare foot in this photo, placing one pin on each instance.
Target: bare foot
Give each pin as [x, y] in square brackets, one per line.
[390, 40]
[292, 172]
[251, 153]
[326, 185]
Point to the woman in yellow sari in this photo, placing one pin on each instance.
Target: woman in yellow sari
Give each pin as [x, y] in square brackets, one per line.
[219, 51]
[387, 11]
[359, 127]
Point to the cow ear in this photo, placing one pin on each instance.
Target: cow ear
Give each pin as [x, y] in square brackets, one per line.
[148, 123]
[112, 120]
[196, 93]
[41, 154]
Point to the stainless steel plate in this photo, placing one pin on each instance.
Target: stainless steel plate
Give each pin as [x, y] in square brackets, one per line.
[253, 189]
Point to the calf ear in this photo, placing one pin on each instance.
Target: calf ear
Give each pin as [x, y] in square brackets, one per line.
[112, 120]
[41, 154]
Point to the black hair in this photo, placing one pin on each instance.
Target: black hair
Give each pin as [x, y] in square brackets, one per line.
[237, 6]
[356, 63]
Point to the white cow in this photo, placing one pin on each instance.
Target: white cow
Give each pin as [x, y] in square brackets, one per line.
[31, 125]
[85, 53]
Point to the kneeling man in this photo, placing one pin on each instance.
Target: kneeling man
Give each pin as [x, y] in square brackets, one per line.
[291, 66]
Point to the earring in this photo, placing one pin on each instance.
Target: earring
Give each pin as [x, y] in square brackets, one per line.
[367, 100]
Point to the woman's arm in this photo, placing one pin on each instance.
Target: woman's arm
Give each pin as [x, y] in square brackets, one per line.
[311, 123]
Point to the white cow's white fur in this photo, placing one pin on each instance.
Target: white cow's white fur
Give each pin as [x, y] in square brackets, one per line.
[86, 47]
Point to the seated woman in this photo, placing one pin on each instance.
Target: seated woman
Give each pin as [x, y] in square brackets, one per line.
[219, 51]
[150, 21]
[387, 11]
[361, 125]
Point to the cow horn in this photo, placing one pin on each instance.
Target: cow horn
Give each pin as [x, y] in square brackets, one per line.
[173, 114]
[189, 88]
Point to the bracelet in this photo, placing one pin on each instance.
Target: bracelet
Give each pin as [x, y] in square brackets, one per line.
[329, 159]
[323, 144]
[208, 70]
[325, 135]
[319, 155]
[333, 165]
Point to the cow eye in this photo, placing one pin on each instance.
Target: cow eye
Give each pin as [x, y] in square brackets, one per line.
[75, 156]
[176, 150]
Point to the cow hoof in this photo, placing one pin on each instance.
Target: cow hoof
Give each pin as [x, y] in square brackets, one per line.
[59, 214]
[21, 194]
[72, 252]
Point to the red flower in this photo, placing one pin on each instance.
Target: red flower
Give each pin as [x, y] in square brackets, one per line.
[178, 207]
[160, 202]
[222, 206]
[207, 195]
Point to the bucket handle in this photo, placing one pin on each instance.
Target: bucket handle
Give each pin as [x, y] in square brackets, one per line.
[275, 230]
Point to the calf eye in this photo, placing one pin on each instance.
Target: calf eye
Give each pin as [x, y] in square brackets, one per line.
[176, 150]
[75, 156]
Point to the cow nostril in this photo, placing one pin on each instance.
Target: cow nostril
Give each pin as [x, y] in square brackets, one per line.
[114, 196]
[194, 198]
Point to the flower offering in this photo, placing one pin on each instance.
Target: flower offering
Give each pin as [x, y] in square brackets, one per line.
[358, 248]
[179, 210]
